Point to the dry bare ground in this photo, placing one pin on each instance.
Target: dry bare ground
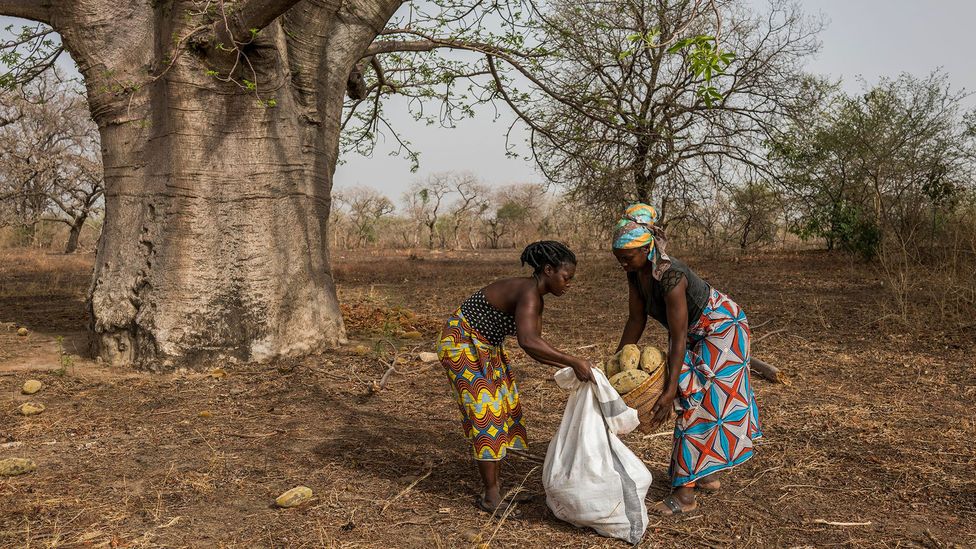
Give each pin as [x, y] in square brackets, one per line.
[870, 446]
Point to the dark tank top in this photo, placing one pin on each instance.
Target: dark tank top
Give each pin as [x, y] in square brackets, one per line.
[488, 321]
[653, 294]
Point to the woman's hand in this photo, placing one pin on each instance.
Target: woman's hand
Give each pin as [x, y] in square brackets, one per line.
[583, 370]
[665, 403]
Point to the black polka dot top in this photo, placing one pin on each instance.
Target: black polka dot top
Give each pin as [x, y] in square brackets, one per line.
[486, 319]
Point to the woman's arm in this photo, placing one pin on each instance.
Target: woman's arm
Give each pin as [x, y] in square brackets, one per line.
[636, 317]
[528, 324]
[676, 303]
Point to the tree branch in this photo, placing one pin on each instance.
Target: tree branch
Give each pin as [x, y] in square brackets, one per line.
[389, 46]
[36, 10]
[250, 14]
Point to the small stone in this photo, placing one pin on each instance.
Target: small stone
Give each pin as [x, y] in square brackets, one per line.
[294, 497]
[31, 386]
[427, 357]
[412, 335]
[236, 390]
[218, 373]
[472, 536]
[205, 414]
[16, 466]
[31, 408]
[22, 332]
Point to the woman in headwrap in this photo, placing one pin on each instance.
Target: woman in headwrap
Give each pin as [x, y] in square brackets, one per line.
[470, 349]
[708, 359]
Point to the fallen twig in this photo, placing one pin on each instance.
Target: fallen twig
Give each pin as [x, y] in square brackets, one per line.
[767, 334]
[832, 523]
[254, 435]
[405, 490]
[789, 486]
[377, 387]
[767, 371]
[161, 412]
[656, 435]
[757, 477]
[760, 325]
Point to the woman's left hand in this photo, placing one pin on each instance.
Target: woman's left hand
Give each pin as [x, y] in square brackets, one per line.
[665, 403]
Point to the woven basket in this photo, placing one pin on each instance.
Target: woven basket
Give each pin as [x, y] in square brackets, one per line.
[643, 398]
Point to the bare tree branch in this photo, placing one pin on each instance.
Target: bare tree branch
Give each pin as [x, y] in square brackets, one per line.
[36, 10]
[249, 17]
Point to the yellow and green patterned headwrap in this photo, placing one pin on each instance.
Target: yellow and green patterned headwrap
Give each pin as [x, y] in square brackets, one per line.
[637, 228]
[634, 229]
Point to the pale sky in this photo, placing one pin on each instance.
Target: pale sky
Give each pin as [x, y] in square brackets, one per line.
[864, 39]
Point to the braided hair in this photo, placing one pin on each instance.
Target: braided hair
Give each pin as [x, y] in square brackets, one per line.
[547, 252]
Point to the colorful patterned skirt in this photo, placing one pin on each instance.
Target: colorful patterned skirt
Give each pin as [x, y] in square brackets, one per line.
[485, 390]
[717, 415]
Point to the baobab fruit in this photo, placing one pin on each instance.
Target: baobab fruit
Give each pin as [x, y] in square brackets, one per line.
[628, 380]
[31, 408]
[22, 331]
[651, 359]
[361, 350]
[294, 497]
[630, 357]
[16, 466]
[31, 386]
[612, 367]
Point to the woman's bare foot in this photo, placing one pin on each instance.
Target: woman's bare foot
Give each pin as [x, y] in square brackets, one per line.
[708, 484]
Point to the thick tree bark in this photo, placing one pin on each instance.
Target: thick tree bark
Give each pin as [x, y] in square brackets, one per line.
[215, 241]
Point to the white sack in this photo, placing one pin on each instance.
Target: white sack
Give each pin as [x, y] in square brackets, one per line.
[591, 478]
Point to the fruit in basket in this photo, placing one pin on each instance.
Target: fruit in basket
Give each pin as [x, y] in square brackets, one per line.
[630, 357]
[651, 359]
[628, 380]
[612, 366]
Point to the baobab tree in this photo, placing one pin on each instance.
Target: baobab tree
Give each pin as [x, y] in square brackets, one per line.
[219, 125]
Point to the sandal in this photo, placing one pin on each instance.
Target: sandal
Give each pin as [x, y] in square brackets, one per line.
[522, 496]
[674, 506]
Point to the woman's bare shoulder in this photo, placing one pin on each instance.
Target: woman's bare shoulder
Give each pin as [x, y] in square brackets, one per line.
[507, 293]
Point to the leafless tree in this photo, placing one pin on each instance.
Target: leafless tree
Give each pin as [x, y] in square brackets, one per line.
[431, 194]
[366, 206]
[50, 165]
[635, 122]
[470, 203]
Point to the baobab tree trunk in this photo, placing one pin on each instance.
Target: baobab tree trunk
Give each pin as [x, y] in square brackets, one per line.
[217, 196]
[215, 240]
